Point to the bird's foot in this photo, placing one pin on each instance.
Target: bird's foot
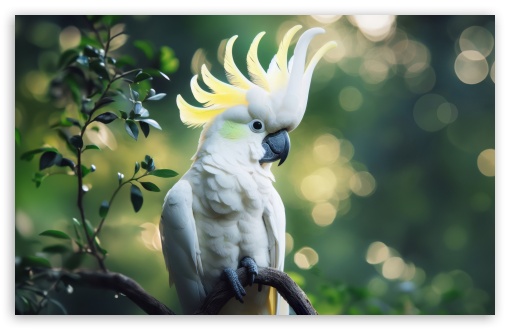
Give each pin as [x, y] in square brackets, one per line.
[236, 285]
[251, 267]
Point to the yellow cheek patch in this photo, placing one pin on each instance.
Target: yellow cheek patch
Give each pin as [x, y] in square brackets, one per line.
[233, 131]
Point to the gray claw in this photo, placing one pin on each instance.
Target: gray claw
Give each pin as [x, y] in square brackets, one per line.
[236, 285]
[251, 266]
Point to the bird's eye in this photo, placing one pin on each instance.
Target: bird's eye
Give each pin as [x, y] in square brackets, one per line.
[256, 126]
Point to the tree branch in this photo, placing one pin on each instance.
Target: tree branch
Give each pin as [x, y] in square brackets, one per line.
[287, 288]
[119, 283]
[213, 303]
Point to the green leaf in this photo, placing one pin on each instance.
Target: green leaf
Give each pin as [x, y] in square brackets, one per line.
[57, 248]
[74, 261]
[67, 122]
[91, 231]
[91, 147]
[136, 95]
[55, 234]
[66, 162]
[131, 129]
[86, 106]
[67, 57]
[138, 107]
[84, 170]
[137, 167]
[146, 47]
[125, 60]
[151, 122]
[111, 60]
[89, 228]
[76, 141]
[150, 186]
[103, 102]
[164, 173]
[48, 159]
[103, 209]
[17, 136]
[150, 163]
[156, 97]
[38, 178]
[145, 128]
[86, 40]
[141, 77]
[64, 135]
[136, 198]
[29, 155]
[110, 20]
[168, 62]
[99, 68]
[33, 261]
[90, 51]
[106, 117]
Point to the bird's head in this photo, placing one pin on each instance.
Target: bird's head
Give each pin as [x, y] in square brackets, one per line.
[259, 111]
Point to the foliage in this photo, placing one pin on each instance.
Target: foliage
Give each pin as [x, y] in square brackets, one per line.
[90, 80]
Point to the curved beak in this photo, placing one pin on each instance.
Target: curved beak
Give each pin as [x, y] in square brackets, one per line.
[277, 146]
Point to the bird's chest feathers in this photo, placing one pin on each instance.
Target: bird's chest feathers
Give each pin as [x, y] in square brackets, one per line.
[239, 194]
[229, 217]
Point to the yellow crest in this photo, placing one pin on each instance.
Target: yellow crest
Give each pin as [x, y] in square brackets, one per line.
[223, 96]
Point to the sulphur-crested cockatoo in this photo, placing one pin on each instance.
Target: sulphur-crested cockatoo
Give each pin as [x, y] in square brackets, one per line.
[224, 213]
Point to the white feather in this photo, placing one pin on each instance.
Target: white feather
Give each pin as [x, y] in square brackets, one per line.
[180, 246]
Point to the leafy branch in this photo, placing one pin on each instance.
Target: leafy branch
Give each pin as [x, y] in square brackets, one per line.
[91, 79]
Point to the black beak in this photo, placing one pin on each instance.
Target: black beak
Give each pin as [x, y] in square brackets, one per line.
[277, 146]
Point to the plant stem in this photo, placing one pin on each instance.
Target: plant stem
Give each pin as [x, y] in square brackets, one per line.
[90, 240]
[111, 201]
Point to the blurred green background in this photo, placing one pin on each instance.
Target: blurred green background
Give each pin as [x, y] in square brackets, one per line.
[389, 187]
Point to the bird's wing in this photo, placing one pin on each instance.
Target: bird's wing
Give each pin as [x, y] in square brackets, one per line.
[274, 219]
[180, 246]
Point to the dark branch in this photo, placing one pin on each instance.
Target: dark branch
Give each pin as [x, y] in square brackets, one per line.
[287, 288]
[121, 284]
[213, 303]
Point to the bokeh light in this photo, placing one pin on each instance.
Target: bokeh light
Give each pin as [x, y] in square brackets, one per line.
[150, 236]
[326, 149]
[326, 19]
[319, 186]
[377, 253]
[447, 113]
[375, 27]
[455, 237]
[478, 39]
[432, 112]
[393, 268]
[306, 258]
[69, 37]
[471, 67]
[442, 282]
[362, 183]
[324, 214]
[487, 162]
[289, 243]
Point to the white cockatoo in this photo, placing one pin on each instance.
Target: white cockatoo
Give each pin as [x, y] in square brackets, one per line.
[224, 213]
